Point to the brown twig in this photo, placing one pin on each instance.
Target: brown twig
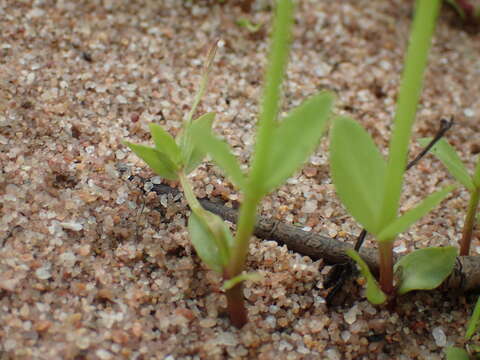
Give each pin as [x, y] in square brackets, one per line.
[465, 277]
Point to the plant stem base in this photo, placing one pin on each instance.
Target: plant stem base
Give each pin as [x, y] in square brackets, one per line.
[236, 306]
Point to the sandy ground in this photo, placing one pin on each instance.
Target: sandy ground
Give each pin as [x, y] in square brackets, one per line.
[92, 268]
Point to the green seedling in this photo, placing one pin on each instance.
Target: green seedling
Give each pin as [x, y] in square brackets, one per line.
[280, 149]
[448, 156]
[370, 187]
[247, 24]
[174, 160]
[455, 353]
[466, 9]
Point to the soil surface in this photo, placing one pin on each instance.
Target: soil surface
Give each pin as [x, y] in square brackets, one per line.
[92, 267]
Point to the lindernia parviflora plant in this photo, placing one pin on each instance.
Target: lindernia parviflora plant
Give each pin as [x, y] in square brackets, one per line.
[370, 187]
[280, 148]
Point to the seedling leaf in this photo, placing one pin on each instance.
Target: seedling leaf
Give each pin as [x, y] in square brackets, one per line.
[221, 154]
[212, 248]
[425, 269]
[455, 353]
[473, 322]
[358, 171]
[246, 23]
[449, 157]
[159, 162]
[374, 294]
[165, 143]
[296, 137]
[403, 222]
[230, 283]
[457, 8]
[194, 157]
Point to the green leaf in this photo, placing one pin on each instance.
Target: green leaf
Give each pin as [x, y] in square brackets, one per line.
[403, 222]
[211, 239]
[196, 154]
[425, 269]
[159, 162]
[221, 154]
[358, 172]
[165, 143]
[457, 8]
[246, 23]
[230, 283]
[455, 353]
[473, 322]
[374, 294]
[296, 137]
[449, 157]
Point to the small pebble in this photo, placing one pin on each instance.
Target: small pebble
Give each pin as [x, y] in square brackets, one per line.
[43, 273]
[439, 336]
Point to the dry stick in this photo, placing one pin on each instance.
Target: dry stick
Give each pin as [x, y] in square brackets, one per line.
[466, 275]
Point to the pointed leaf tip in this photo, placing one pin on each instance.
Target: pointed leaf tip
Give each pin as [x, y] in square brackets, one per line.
[296, 137]
[158, 162]
[450, 159]
[165, 143]
[221, 154]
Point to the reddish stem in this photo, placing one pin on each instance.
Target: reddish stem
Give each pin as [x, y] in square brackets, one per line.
[386, 267]
[236, 306]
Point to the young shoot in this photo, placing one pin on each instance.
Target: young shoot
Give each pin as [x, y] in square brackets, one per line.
[370, 187]
[448, 156]
[455, 353]
[280, 149]
[174, 160]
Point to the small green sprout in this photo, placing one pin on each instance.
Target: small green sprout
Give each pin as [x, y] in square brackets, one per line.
[174, 160]
[247, 24]
[466, 9]
[447, 155]
[455, 353]
[370, 187]
[280, 149]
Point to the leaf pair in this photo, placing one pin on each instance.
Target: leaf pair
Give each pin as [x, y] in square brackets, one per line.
[294, 138]
[423, 269]
[168, 158]
[359, 174]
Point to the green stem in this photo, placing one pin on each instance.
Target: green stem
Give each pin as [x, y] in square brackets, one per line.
[189, 195]
[415, 63]
[246, 224]
[469, 222]
[386, 266]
